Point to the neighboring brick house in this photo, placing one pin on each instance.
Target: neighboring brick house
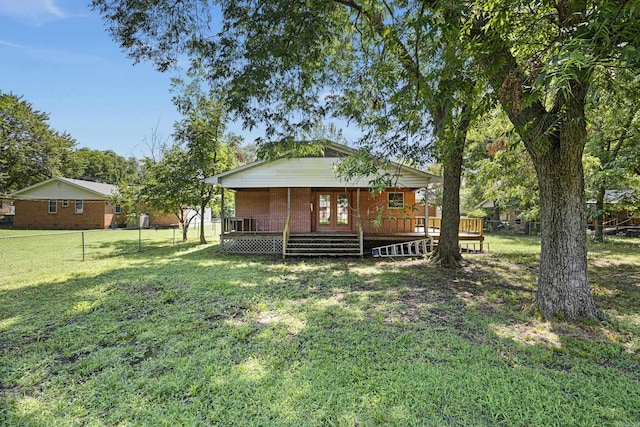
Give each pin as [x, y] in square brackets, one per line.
[70, 204]
[303, 195]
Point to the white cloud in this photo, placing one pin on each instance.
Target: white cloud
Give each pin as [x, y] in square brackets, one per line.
[34, 11]
[52, 55]
[9, 44]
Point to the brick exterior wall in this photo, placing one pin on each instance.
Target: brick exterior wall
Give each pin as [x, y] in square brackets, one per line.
[252, 203]
[35, 214]
[159, 219]
[272, 204]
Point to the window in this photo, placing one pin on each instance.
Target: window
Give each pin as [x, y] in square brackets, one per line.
[65, 203]
[118, 210]
[396, 200]
[53, 206]
[79, 206]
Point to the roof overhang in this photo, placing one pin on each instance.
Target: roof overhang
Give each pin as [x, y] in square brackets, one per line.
[315, 172]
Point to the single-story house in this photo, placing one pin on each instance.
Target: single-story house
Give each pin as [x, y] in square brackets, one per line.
[68, 204]
[300, 206]
[616, 206]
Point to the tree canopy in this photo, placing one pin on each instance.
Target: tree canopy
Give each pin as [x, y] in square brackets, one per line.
[105, 166]
[30, 150]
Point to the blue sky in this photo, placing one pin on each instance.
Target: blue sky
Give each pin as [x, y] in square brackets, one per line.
[58, 56]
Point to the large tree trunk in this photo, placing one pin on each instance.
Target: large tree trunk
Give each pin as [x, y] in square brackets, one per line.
[447, 253]
[185, 229]
[563, 285]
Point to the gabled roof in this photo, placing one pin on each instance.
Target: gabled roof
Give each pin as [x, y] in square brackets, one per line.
[312, 172]
[66, 188]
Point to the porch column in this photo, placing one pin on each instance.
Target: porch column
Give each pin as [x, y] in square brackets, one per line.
[221, 217]
[360, 231]
[426, 212]
[288, 201]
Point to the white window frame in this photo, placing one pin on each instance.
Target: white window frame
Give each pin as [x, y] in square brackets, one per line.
[65, 203]
[53, 203]
[117, 209]
[395, 204]
[79, 206]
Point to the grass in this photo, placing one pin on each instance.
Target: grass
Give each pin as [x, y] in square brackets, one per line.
[41, 251]
[182, 335]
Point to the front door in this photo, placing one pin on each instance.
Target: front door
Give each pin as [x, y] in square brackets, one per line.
[333, 212]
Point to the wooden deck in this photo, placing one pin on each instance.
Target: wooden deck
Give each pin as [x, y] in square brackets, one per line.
[324, 243]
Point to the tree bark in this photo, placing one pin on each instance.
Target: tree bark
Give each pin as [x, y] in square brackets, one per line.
[185, 229]
[563, 285]
[447, 252]
[203, 239]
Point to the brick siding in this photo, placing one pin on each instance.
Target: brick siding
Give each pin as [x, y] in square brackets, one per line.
[35, 214]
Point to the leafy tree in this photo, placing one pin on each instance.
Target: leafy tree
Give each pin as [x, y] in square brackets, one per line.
[202, 132]
[613, 135]
[30, 151]
[166, 185]
[540, 59]
[105, 166]
[501, 171]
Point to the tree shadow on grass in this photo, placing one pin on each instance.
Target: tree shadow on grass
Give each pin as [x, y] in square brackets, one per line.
[185, 335]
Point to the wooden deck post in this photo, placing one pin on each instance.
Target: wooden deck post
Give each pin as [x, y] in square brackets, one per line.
[426, 212]
[360, 232]
[222, 217]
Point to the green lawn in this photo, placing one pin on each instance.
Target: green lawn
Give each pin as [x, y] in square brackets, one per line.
[182, 335]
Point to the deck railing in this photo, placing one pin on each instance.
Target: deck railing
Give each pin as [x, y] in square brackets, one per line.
[367, 225]
[467, 225]
[375, 225]
[254, 224]
[617, 222]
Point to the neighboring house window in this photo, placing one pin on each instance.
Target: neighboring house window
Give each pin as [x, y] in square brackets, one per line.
[79, 206]
[118, 210]
[65, 203]
[53, 206]
[396, 200]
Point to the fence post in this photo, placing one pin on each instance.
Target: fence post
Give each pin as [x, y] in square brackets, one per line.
[83, 246]
[139, 236]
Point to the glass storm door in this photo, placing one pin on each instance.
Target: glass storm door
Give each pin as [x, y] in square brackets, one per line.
[333, 212]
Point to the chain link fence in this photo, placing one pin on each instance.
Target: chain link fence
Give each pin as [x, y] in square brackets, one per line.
[513, 227]
[29, 250]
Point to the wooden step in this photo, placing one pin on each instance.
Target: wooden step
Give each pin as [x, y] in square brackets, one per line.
[323, 245]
